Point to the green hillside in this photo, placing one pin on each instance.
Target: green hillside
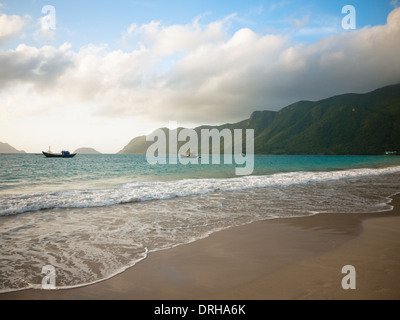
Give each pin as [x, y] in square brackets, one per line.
[346, 124]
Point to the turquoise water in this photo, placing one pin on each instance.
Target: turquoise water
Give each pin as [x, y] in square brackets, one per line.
[35, 173]
[93, 216]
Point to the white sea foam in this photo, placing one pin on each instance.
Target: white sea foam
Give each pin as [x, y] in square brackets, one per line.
[146, 191]
[90, 245]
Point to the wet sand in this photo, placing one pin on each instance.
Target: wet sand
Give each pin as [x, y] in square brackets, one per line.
[296, 258]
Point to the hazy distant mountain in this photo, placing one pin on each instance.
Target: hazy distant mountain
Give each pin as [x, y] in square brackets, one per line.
[87, 151]
[6, 148]
[346, 124]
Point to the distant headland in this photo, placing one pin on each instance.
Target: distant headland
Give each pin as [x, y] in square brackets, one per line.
[6, 148]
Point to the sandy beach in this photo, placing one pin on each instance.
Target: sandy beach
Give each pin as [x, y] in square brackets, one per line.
[296, 258]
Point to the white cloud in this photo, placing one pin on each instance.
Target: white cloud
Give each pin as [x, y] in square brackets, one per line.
[165, 40]
[250, 71]
[39, 67]
[10, 26]
[44, 33]
[298, 23]
[216, 78]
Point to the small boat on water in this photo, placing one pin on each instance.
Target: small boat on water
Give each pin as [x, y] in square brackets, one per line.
[189, 155]
[63, 154]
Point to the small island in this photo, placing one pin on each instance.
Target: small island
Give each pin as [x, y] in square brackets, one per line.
[86, 150]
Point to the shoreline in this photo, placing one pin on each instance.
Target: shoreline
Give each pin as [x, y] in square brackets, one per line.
[294, 258]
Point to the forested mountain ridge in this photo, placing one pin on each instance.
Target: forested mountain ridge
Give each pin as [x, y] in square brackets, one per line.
[345, 124]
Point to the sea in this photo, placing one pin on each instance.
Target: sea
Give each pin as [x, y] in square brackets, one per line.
[93, 216]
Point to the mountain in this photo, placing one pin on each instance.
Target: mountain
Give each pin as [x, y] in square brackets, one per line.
[87, 151]
[357, 124]
[6, 148]
[137, 145]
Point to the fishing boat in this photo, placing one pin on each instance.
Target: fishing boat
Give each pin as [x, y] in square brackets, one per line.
[189, 155]
[63, 154]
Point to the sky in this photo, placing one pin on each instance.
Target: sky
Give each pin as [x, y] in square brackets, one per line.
[99, 73]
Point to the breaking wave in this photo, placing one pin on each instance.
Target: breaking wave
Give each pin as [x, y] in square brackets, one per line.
[162, 190]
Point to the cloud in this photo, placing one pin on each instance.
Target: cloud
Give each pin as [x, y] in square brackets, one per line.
[44, 33]
[40, 67]
[251, 71]
[10, 26]
[164, 40]
[299, 23]
[200, 73]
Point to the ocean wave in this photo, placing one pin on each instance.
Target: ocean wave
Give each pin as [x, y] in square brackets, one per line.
[147, 191]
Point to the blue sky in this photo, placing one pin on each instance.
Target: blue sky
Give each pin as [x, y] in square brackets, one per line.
[112, 70]
[97, 22]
